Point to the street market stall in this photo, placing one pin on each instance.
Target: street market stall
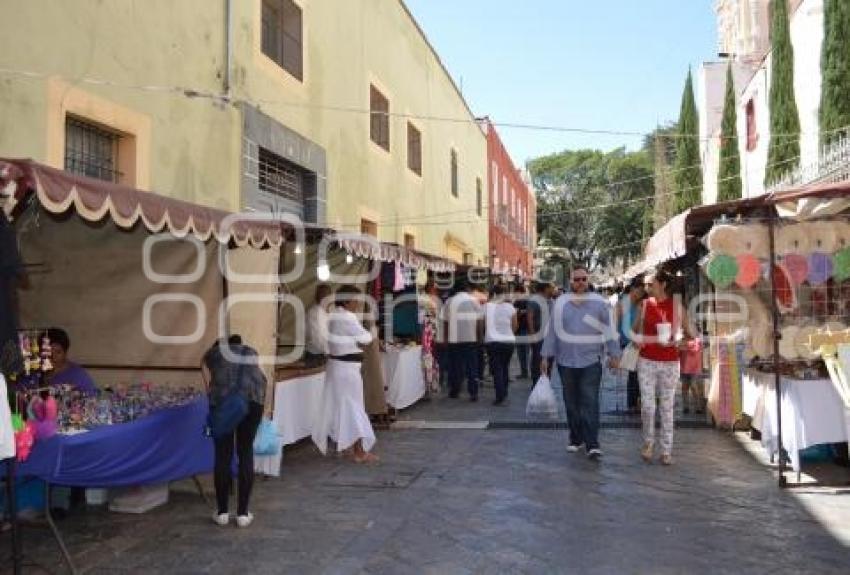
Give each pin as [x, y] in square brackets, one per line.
[778, 266]
[135, 277]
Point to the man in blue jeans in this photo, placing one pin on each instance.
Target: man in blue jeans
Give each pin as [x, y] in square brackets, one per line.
[580, 331]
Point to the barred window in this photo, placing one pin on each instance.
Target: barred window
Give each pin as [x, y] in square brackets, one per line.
[282, 38]
[368, 227]
[280, 177]
[91, 150]
[414, 149]
[379, 129]
[454, 173]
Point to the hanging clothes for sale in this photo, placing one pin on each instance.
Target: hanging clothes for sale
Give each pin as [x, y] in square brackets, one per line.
[11, 269]
[7, 432]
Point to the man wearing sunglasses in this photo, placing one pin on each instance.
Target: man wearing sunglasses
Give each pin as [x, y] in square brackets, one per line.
[580, 331]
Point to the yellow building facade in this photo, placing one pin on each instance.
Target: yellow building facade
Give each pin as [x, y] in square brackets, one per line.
[338, 111]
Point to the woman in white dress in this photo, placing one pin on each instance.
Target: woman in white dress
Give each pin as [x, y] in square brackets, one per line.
[342, 415]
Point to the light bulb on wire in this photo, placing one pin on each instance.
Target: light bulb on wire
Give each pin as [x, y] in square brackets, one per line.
[323, 272]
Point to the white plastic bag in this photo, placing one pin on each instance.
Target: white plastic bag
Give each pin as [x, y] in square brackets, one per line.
[629, 359]
[542, 402]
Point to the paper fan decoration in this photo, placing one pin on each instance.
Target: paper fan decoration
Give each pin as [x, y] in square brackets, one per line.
[786, 296]
[820, 268]
[788, 342]
[822, 236]
[797, 266]
[736, 239]
[759, 326]
[722, 270]
[841, 264]
[757, 242]
[842, 235]
[724, 239]
[749, 270]
[791, 239]
[804, 350]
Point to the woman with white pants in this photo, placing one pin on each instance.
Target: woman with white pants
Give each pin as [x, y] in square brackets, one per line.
[661, 318]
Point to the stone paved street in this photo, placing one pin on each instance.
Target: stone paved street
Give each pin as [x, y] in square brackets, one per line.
[479, 501]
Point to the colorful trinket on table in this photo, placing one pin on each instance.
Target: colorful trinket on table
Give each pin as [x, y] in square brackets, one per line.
[46, 354]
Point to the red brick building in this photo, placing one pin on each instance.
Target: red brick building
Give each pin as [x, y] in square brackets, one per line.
[512, 211]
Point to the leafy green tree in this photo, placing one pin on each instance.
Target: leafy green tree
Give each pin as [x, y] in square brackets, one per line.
[835, 67]
[783, 153]
[660, 146]
[593, 203]
[729, 173]
[687, 172]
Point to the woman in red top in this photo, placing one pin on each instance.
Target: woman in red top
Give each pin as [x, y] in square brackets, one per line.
[661, 319]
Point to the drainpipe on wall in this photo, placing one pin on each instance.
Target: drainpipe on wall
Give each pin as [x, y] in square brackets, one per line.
[228, 49]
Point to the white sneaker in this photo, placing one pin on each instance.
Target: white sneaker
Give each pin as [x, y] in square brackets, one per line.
[221, 518]
[244, 520]
[594, 453]
[574, 448]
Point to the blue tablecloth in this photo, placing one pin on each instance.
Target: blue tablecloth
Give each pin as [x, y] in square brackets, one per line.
[165, 446]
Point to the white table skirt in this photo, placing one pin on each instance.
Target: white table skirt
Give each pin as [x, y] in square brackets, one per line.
[812, 414]
[403, 377]
[296, 402]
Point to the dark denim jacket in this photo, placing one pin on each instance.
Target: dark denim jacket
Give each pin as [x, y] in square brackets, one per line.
[223, 373]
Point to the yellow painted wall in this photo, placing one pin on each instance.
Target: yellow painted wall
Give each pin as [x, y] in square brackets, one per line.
[191, 147]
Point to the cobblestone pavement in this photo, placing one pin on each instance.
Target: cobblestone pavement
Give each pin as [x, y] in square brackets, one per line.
[476, 501]
[481, 500]
[612, 404]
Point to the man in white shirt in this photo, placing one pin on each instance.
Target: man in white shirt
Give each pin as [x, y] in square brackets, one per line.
[463, 317]
[316, 344]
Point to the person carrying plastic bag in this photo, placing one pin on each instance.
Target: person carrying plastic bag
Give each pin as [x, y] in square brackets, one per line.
[542, 402]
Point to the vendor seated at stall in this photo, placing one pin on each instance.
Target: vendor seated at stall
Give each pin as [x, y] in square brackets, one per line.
[65, 371]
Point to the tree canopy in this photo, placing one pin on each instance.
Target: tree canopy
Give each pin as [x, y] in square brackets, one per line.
[585, 202]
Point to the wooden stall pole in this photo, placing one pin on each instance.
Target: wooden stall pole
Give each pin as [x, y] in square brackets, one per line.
[771, 222]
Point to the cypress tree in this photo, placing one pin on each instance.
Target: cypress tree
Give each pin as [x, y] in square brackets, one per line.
[835, 67]
[729, 174]
[688, 175]
[783, 153]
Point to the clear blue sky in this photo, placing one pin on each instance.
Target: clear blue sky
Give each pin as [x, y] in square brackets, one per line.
[598, 64]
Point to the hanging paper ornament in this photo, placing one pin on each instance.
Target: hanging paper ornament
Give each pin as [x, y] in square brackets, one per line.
[797, 267]
[841, 264]
[842, 235]
[749, 270]
[724, 239]
[722, 270]
[791, 239]
[820, 268]
[786, 296]
[24, 440]
[822, 235]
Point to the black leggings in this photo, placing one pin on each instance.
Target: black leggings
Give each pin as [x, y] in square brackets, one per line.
[245, 433]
